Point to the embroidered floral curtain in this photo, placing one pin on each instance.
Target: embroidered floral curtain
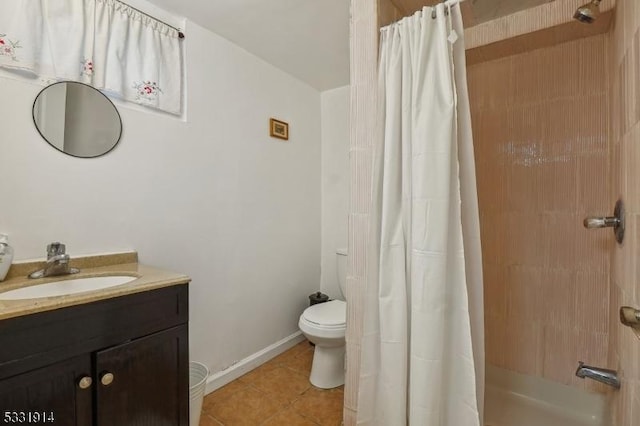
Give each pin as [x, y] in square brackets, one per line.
[103, 43]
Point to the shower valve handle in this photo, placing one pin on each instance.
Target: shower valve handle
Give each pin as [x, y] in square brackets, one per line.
[616, 222]
[601, 222]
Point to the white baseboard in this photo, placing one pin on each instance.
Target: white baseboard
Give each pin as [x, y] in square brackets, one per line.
[221, 378]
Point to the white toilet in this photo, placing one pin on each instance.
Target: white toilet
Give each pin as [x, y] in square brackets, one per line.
[324, 325]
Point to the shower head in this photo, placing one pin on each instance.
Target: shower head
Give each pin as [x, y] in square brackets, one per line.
[589, 12]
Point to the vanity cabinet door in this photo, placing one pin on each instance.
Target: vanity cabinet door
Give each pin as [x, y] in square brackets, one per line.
[144, 382]
[56, 394]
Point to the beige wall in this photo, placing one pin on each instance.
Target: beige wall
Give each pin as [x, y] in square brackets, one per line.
[540, 123]
[625, 137]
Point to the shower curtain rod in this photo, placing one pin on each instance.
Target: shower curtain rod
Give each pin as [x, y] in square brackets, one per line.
[447, 3]
[452, 2]
[180, 33]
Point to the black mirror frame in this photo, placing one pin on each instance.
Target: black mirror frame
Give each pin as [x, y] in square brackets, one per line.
[33, 116]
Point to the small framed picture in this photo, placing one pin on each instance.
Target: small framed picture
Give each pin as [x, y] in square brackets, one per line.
[279, 129]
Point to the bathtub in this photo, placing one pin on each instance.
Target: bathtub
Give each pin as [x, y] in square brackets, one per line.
[513, 399]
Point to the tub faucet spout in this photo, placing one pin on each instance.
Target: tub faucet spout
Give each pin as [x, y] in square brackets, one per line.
[602, 375]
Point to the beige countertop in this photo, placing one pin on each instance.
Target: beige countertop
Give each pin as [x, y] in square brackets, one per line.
[147, 278]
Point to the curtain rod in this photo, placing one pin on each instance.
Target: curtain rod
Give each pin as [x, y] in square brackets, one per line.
[180, 33]
[452, 2]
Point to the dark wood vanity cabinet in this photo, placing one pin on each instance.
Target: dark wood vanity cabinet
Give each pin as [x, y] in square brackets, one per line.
[115, 362]
[48, 395]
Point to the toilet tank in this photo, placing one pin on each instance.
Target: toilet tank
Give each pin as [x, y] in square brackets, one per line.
[341, 258]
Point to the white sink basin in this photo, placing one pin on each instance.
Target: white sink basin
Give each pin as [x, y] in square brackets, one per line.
[66, 287]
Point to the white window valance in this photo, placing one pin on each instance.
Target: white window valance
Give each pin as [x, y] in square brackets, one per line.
[103, 43]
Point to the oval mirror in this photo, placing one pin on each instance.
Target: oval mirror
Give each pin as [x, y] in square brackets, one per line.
[77, 119]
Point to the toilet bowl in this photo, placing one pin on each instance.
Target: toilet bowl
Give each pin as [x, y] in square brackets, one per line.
[324, 324]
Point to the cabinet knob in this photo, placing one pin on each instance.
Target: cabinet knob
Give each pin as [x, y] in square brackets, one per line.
[106, 379]
[85, 382]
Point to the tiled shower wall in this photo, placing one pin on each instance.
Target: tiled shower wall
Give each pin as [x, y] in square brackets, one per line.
[625, 269]
[540, 127]
[388, 13]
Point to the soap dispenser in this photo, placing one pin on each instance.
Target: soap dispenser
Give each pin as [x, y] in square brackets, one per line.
[6, 256]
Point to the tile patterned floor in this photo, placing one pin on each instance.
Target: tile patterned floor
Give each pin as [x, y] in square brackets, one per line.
[277, 393]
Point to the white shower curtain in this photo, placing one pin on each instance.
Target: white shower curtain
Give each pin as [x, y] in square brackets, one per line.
[422, 349]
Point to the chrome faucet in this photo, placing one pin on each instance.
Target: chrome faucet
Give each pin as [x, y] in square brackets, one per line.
[57, 263]
[602, 375]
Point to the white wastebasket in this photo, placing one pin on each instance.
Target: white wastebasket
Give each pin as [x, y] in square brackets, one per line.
[198, 374]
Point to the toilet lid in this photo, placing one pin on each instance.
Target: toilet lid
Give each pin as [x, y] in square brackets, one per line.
[328, 313]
